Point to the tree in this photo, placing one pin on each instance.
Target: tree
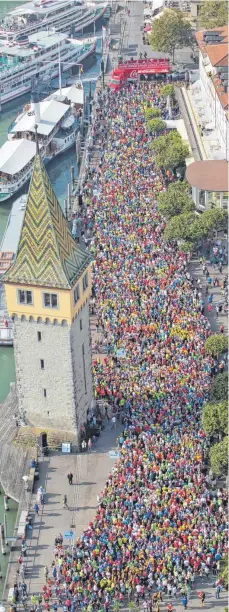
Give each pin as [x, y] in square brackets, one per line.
[116, 606]
[175, 200]
[207, 222]
[219, 457]
[132, 606]
[178, 228]
[215, 418]
[224, 575]
[213, 14]
[168, 90]
[170, 151]
[151, 113]
[186, 246]
[219, 389]
[156, 126]
[170, 32]
[216, 344]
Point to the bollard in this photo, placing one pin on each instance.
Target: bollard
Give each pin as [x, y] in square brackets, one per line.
[6, 505]
[2, 538]
[0, 572]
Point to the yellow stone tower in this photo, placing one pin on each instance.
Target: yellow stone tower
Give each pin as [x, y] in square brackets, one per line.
[48, 287]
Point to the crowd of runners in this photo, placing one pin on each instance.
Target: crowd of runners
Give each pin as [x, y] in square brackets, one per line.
[160, 521]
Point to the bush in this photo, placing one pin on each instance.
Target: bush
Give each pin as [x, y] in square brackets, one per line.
[216, 344]
[219, 457]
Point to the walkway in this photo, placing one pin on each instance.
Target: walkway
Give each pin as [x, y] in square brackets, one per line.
[90, 471]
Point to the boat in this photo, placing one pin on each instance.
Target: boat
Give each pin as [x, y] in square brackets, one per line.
[57, 118]
[68, 16]
[22, 67]
[8, 251]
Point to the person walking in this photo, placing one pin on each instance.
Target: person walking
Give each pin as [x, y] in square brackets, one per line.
[36, 508]
[83, 445]
[185, 601]
[113, 422]
[65, 501]
[202, 598]
[46, 572]
[70, 478]
[217, 591]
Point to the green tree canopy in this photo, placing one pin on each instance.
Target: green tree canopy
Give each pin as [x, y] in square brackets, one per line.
[213, 14]
[170, 32]
[195, 227]
[151, 113]
[156, 126]
[170, 151]
[219, 457]
[178, 228]
[207, 222]
[175, 200]
[224, 575]
[168, 90]
[216, 344]
[215, 418]
[219, 390]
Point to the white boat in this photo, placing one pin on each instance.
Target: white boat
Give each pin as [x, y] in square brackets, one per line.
[64, 15]
[57, 119]
[8, 251]
[22, 67]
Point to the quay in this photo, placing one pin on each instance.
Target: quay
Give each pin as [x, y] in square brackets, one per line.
[89, 470]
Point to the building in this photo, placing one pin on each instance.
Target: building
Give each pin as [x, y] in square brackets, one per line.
[209, 182]
[213, 66]
[48, 287]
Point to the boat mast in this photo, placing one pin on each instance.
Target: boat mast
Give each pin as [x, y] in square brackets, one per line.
[60, 82]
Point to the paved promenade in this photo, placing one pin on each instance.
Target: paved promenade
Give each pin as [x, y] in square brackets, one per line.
[90, 471]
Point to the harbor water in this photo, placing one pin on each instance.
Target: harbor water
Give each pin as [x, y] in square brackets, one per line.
[59, 171]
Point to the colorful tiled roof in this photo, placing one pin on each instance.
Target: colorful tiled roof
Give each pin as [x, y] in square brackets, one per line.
[47, 254]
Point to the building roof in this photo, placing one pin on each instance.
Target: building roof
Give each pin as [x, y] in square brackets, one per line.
[51, 112]
[217, 53]
[15, 154]
[209, 175]
[214, 44]
[47, 255]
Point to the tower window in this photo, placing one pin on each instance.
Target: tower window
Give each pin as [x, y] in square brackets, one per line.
[39, 336]
[45, 393]
[25, 297]
[76, 294]
[85, 281]
[42, 364]
[50, 300]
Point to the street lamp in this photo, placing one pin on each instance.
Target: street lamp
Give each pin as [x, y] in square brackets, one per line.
[102, 70]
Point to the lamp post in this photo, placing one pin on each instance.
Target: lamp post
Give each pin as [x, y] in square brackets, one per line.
[102, 70]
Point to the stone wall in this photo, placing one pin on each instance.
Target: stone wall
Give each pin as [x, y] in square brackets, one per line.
[82, 364]
[13, 460]
[53, 396]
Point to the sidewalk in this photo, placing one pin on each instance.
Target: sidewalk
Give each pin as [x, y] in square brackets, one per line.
[90, 472]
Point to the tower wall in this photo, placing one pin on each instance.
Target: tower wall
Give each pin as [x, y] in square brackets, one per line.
[82, 364]
[62, 378]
